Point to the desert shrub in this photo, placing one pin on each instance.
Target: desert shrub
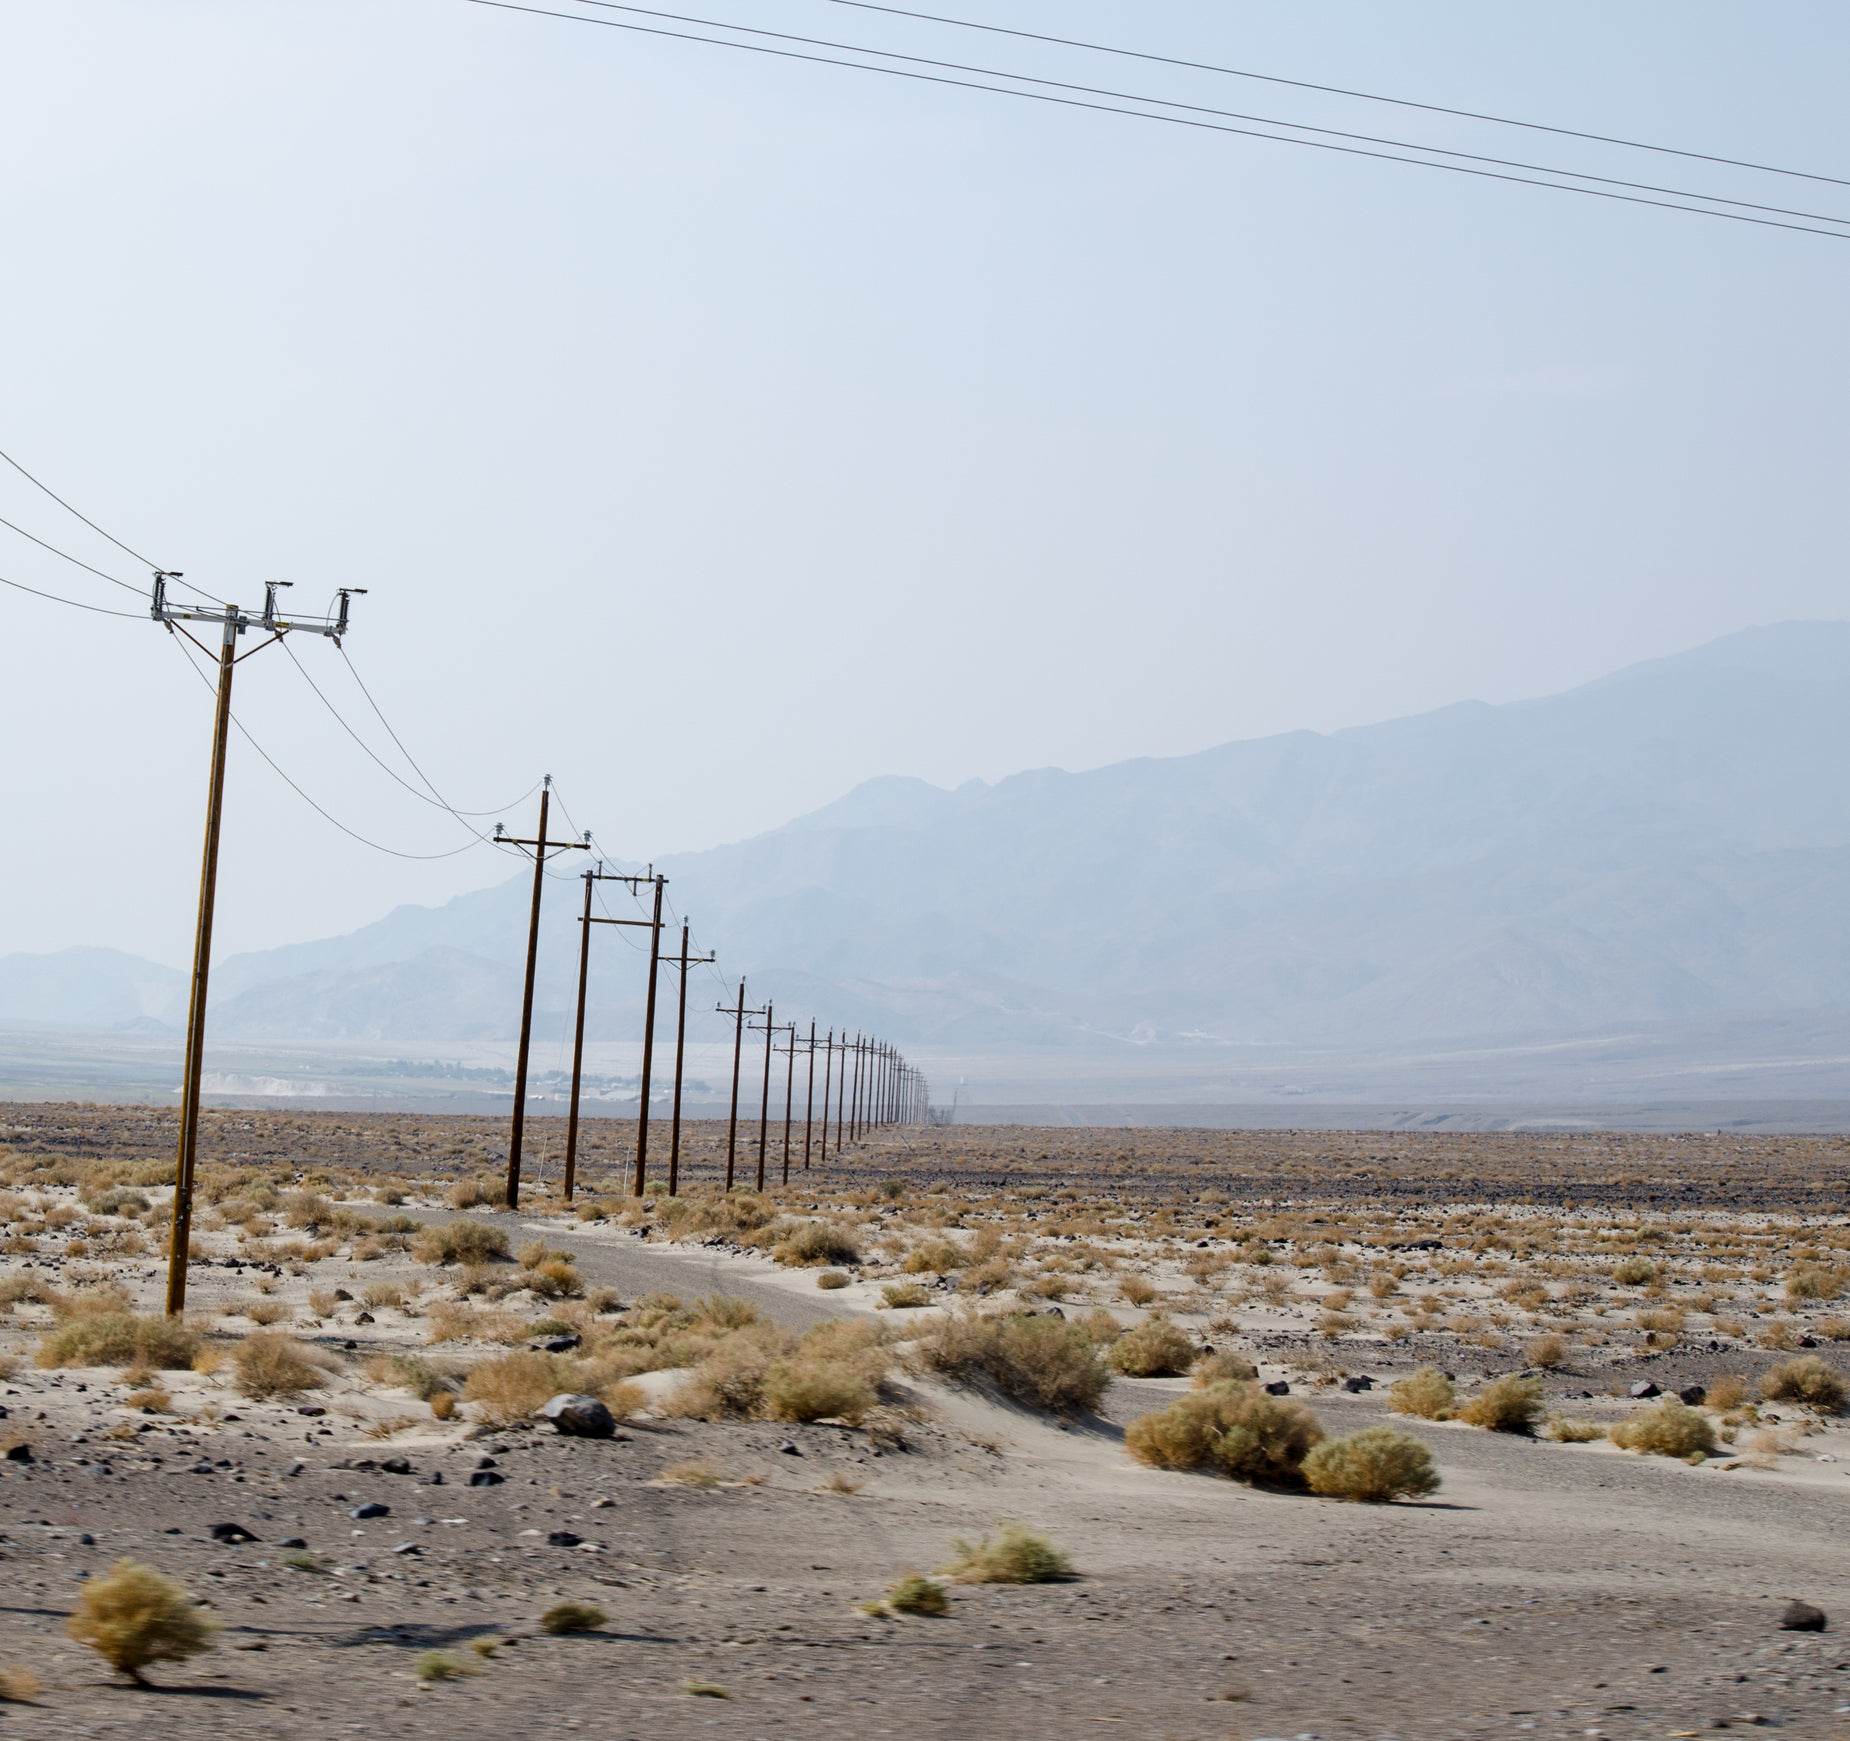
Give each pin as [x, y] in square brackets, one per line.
[1237, 1429]
[816, 1244]
[119, 1200]
[379, 1295]
[729, 1381]
[1375, 1465]
[19, 1686]
[1808, 1380]
[555, 1280]
[1667, 1429]
[134, 1615]
[265, 1311]
[510, 1387]
[1727, 1392]
[466, 1242]
[725, 1312]
[1566, 1432]
[1427, 1394]
[623, 1398]
[1505, 1405]
[833, 1278]
[1048, 1362]
[932, 1258]
[271, 1364]
[322, 1301]
[1223, 1369]
[816, 1390]
[1548, 1352]
[1833, 1329]
[153, 1401]
[417, 1375]
[116, 1338]
[437, 1665]
[1100, 1326]
[915, 1594]
[1814, 1284]
[1013, 1555]
[572, 1617]
[1156, 1349]
[1136, 1290]
[305, 1209]
[477, 1193]
[1779, 1336]
[1634, 1272]
[903, 1296]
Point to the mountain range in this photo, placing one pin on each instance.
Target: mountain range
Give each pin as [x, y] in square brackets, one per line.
[1671, 841]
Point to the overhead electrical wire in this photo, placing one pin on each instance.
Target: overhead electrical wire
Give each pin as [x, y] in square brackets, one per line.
[94, 527]
[68, 557]
[1341, 91]
[1204, 109]
[75, 604]
[1196, 124]
[468, 846]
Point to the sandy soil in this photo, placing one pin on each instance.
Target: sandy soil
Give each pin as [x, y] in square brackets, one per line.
[1548, 1589]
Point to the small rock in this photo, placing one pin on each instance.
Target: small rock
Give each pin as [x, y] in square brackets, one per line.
[1360, 1382]
[1692, 1394]
[1801, 1617]
[485, 1478]
[1644, 1387]
[788, 1447]
[1278, 1387]
[351, 1344]
[580, 1417]
[296, 1467]
[342, 1294]
[407, 1548]
[231, 1532]
[602, 1504]
[311, 1409]
[559, 1344]
[19, 1453]
[371, 1509]
[365, 1318]
[396, 1466]
[87, 1539]
[294, 1541]
[433, 1479]
[563, 1538]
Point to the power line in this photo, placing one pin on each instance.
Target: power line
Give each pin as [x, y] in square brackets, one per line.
[447, 805]
[1227, 114]
[1171, 120]
[68, 557]
[94, 527]
[1340, 91]
[20, 586]
[310, 802]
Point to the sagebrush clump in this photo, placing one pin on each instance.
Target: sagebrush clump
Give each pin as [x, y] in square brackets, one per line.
[1505, 1405]
[1376, 1465]
[1808, 1380]
[1013, 1555]
[1048, 1362]
[1155, 1349]
[1427, 1394]
[1669, 1428]
[1239, 1430]
[271, 1364]
[134, 1616]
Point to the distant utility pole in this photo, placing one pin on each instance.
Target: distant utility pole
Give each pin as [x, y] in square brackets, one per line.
[234, 622]
[790, 1072]
[653, 926]
[764, 1105]
[841, 1093]
[809, 1098]
[738, 1040]
[828, 1067]
[539, 845]
[854, 1104]
[683, 961]
[600, 875]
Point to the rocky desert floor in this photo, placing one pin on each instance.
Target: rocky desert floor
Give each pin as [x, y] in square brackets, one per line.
[1549, 1587]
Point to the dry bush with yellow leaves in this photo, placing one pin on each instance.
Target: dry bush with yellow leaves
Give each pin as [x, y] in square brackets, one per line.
[133, 1616]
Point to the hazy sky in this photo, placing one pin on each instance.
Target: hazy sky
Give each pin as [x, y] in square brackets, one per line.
[714, 432]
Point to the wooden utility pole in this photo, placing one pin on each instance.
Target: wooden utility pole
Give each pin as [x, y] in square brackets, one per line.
[738, 1041]
[790, 1072]
[600, 875]
[683, 961]
[764, 1105]
[539, 845]
[828, 1067]
[809, 1097]
[234, 622]
[841, 1093]
[854, 1103]
[648, 1039]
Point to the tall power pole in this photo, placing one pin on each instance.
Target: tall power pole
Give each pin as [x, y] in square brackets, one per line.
[790, 1072]
[600, 875]
[809, 1098]
[539, 845]
[764, 1105]
[828, 1067]
[738, 1041]
[683, 961]
[234, 622]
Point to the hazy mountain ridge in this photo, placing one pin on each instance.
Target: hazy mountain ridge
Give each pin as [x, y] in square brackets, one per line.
[1669, 841]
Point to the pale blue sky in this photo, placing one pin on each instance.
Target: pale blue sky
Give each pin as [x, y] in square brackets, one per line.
[716, 432]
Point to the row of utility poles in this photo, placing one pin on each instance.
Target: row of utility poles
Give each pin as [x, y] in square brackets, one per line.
[870, 1081]
[891, 1090]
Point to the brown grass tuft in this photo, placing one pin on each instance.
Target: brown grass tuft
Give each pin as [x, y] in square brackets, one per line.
[1667, 1429]
[271, 1364]
[1505, 1405]
[1375, 1466]
[1806, 1380]
[1428, 1394]
[134, 1615]
[1013, 1555]
[1237, 1429]
[1155, 1349]
[1048, 1362]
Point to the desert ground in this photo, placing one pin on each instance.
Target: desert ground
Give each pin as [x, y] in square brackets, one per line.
[368, 1327]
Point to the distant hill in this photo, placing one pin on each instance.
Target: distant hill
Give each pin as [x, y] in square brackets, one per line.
[1672, 841]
